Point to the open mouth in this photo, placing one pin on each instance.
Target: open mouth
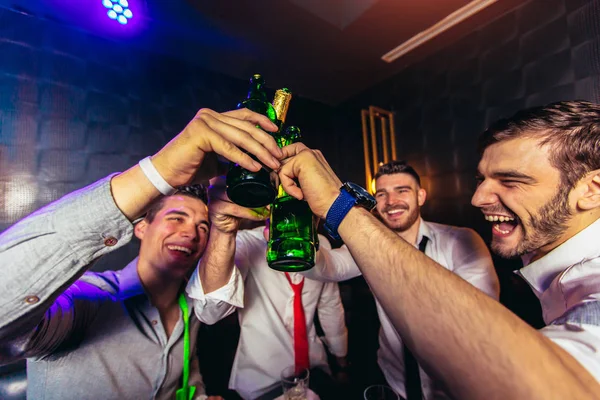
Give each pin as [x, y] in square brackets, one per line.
[180, 249]
[395, 212]
[502, 225]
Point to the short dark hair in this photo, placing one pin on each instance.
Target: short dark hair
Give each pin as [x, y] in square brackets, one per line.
[570, 128]
[398, 167]
[196, 191]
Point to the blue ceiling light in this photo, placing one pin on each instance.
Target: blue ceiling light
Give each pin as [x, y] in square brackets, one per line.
[118, 10]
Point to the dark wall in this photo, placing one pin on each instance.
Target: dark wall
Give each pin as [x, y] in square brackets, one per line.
[75, 107]
[544, 51]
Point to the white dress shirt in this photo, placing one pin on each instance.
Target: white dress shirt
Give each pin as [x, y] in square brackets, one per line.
[459, 250]
[567, 277]
[266, 344]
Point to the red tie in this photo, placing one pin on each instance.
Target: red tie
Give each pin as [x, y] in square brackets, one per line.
[300, 338]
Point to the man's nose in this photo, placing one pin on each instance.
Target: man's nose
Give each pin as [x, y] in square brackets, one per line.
[484, 195]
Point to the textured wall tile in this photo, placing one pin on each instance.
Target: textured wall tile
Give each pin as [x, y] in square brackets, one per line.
[586, 59]
[583, 23]
[18, 128]
[19, 60]
[588, 89]
[502, 59]
[62, 69]
[103, 137]
[557, 93]
[103, 107]
[549, 39]
[62, 166]
[60, 39]
[60, 133]
[20, 28]
[62, 101]
[504, 88]
[15, 90]
[548, 72]
[504, 111]
[537, 13]
[499, 32]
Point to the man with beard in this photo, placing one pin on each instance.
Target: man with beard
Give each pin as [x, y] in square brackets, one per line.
[399, 197]
[540, 187]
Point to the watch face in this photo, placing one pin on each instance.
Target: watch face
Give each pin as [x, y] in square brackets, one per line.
[363, 198]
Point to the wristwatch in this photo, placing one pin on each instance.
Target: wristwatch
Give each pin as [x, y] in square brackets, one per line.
[351, 195]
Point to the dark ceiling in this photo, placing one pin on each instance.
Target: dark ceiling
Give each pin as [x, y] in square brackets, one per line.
[330, 50]
[325, 50]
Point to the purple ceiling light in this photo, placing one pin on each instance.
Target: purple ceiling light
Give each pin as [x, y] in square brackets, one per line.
[118, 10]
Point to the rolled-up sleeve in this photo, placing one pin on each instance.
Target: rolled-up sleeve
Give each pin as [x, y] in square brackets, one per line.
[210, 308]
[332, 265]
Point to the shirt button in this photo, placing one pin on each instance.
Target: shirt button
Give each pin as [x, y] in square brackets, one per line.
[154, 322]
[31, 299]
[110, 241]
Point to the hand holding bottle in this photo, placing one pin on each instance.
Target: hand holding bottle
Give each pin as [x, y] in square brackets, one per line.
[319, 185]
[224, 214]
[232, 135]
[223, 133]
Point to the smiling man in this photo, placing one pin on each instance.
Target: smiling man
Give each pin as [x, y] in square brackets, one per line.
[399, 198]
[128, 333]
[540, 188]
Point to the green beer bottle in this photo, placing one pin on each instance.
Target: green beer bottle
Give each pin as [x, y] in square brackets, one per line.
[248, 188]
[293, 238]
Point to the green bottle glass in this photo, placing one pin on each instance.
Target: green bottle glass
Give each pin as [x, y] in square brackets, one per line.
[248, 188]
[293, 239]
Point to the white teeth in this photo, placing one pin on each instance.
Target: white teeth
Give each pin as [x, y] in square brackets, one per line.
[180, 248]
[394, 211]
[496, 227]
[497, 218]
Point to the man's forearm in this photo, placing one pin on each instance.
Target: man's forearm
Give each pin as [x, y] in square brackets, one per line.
[478, 348]
[216, 266]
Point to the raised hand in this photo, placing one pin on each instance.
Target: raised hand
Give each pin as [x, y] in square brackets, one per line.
[226, 215]
[225, 134]
[319, 185]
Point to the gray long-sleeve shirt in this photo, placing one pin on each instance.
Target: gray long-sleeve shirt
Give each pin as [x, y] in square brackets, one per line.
[94, 336]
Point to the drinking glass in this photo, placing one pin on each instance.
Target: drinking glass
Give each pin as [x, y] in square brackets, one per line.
[295, 383]
[380, 392]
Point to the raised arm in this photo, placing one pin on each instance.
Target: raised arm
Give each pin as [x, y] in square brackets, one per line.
[43, 254]
[475, 346]
[472, 261]
[216, 280]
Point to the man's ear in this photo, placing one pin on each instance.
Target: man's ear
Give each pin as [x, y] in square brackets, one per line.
[140, 229]
[588, 191]
[421, 196]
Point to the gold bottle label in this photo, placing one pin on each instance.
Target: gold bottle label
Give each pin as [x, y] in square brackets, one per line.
[281, 103]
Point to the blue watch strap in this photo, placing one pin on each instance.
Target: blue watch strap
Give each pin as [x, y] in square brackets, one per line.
[337, 212]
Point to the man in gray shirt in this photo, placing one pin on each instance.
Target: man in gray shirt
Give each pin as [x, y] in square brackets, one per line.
[121, 334]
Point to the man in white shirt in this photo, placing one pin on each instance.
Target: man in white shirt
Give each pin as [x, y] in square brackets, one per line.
[399, 198]
[540, 189]
[266, 343]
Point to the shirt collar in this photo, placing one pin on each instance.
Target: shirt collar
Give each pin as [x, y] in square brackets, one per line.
[129, 281]
[542, 274]
[424, 230]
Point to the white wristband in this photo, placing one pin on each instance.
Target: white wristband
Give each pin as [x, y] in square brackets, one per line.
[154, 177]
